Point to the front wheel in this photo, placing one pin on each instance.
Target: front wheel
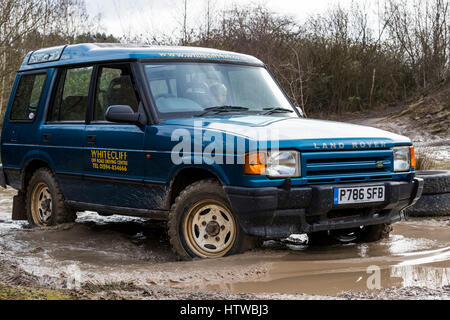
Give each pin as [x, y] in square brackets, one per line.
[202, 225]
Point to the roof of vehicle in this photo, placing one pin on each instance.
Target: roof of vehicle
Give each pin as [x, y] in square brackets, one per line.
[95, 52]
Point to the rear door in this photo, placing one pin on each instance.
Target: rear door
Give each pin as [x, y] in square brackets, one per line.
[19, 139]
[114, 156]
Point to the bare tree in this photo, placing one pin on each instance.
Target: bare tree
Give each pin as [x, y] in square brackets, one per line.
[421, 31]
[27, 25]
[185, 27]
[337, 61]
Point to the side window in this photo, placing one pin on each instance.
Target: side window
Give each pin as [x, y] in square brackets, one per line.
[114, 87]
[27, 97]
[71, 96]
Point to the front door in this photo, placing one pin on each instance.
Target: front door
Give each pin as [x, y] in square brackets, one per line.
[114, 156]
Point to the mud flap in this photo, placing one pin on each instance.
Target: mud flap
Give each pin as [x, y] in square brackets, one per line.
[2, 177]
[19, 211]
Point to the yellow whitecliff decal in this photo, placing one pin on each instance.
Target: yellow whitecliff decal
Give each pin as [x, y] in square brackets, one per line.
[109, 160]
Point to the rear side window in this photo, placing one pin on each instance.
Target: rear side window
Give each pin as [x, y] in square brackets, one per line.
[71, 96]
[28, 96]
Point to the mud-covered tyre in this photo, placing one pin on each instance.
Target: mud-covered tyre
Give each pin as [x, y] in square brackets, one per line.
[45, 202]
[435, 181]
[320, 238]
[202, 225]
[430, 205]
[370, 233]
[375, 232]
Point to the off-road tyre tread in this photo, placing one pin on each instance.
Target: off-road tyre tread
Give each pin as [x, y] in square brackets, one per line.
[320, 238]
[370, 233]
[375, 232]
[243, 242]
[61, 212]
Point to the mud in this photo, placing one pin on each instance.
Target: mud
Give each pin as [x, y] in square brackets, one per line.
[121, 257]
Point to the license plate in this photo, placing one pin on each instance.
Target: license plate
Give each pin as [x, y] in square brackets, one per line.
[358, 194]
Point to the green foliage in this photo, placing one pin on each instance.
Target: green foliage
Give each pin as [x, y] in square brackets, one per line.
[424, 161]
[8, 292]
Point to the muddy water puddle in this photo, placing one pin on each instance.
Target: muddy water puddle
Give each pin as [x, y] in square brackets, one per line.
[114, 249]
[295, 275]
[416, 254]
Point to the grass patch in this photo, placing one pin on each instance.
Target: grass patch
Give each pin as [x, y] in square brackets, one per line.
[424, 161]
[8, 292]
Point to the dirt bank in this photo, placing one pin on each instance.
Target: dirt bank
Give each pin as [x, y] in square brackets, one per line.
[425, 119]
[436, 145]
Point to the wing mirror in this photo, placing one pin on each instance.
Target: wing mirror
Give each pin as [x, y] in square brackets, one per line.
[122, 114]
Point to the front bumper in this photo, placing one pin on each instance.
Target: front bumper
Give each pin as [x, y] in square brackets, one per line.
[275, 213]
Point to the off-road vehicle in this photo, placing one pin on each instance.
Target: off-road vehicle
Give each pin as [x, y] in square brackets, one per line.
[204, 139]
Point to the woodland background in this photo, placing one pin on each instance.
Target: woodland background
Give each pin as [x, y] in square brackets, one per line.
[337, 62]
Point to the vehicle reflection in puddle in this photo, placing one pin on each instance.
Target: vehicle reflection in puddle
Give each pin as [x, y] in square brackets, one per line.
[416, 254]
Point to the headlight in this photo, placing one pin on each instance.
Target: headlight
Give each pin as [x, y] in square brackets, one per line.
[402, 158]
[283, 164]
[274, 164]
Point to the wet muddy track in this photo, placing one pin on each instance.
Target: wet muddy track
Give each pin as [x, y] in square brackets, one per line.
[100, 251]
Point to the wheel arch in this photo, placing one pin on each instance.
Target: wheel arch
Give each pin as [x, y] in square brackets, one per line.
[29, 168]
[186, 176]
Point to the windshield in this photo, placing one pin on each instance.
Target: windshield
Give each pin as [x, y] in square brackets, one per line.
[184, 89]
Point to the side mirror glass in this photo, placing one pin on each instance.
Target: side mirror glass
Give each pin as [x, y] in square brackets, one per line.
[122, 114]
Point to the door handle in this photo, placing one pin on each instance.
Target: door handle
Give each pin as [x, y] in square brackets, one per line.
[46, 137]
[91, 139]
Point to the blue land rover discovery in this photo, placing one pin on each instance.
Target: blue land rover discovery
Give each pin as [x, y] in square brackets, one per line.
[203, 139]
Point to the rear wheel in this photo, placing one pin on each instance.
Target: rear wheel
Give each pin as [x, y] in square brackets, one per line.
[370, 233]
[375, 232]
[202, 225]
[45, 202]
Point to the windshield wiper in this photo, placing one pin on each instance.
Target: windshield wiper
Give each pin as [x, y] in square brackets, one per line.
[276, 110]
[219, 109]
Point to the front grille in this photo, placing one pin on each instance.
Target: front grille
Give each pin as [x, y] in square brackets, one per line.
[347, 166]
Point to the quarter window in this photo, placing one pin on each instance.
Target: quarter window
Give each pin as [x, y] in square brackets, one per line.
[71, 97]
[28, 96]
